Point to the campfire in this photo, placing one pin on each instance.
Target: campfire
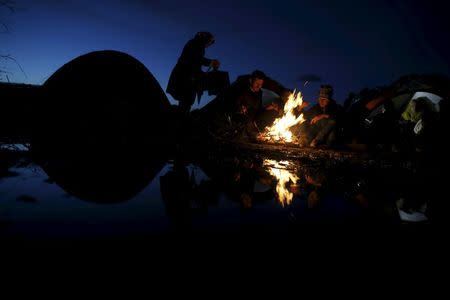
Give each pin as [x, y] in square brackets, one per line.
[280, 131]
[278, 169]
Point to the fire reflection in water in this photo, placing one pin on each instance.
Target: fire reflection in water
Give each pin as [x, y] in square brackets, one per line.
[285, 179]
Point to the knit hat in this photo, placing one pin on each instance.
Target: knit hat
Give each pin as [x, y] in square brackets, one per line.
[326, 91]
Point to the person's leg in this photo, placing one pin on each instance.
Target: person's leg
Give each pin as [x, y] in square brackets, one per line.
[184, 108]
[331, 138]
[186, 100]
[324, 126]
[304, 133]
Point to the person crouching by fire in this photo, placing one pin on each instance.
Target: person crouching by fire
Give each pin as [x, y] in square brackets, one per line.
[239, 111]
[320, 127]
[248, 107]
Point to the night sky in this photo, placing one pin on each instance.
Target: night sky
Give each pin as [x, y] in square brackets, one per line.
[349, 44]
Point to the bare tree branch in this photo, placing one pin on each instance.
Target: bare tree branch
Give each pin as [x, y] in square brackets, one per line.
[9, 4]
[9, 57]
[12, 7]
[5, 27]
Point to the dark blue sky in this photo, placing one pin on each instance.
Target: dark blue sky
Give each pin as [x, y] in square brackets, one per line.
[349, 44]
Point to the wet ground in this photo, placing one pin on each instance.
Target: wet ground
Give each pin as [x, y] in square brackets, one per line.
[59, 201]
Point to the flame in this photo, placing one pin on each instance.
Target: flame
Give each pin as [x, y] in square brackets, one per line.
[283, 176]
[279, 131]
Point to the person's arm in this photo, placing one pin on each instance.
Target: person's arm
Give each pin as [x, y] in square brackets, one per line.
[319, 117]
[311, 113]
[194, 54]
[240, 107]
[385, 95]
[273, 106]
[207, 62]
[333, 112]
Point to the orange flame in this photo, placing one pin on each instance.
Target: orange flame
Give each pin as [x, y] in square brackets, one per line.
[283, 176]
[279, 131]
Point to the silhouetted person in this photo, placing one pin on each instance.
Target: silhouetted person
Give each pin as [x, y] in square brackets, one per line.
[185, 80]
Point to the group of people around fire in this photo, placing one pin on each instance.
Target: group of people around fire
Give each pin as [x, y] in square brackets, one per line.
[239, 108]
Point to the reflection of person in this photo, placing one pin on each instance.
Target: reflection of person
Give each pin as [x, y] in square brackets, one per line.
[254, 185]
[183, 195]
[176, 190]
[185, 79]
[321, 124]
[239, 180]
[315, 183]
[243, 180]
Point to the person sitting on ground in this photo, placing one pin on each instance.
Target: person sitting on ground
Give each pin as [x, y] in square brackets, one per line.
[321, 121]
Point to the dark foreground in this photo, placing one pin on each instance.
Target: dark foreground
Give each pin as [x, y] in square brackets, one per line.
[240, 194]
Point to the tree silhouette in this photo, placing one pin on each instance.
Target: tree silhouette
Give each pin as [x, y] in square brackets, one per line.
[11, 7]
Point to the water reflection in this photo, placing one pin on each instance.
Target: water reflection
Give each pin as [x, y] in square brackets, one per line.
[284, 177]
[102, 181]
[177, 191]
[241, 180]
[149, 193]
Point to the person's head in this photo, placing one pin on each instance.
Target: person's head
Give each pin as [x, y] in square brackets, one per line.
[325, 94]
[205, 37]
[257, 80]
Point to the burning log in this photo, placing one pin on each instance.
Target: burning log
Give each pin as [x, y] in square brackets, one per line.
[308, 156]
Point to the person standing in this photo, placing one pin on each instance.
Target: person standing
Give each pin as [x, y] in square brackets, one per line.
[185, 79]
